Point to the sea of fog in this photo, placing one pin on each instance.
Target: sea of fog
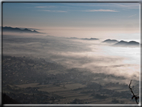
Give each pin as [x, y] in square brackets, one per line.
[94, 55]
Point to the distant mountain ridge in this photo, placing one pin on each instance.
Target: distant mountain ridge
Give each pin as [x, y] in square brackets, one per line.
[84, 38]
[11, 29]
[89, 38]
[124, 43]
[110, 41]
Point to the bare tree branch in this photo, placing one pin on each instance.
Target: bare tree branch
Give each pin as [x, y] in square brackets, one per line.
[134, 96]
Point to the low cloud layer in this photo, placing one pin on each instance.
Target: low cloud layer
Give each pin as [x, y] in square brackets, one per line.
[76, 54]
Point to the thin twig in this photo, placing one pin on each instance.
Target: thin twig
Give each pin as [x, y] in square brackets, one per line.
[134, 96]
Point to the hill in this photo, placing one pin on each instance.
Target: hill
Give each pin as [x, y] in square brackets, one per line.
[110, 41]
[26, 30]
[7, 100]
[128, 44]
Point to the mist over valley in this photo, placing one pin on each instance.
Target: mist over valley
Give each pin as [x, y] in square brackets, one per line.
[59, 67]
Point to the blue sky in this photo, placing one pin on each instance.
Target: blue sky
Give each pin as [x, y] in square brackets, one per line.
[120, 18]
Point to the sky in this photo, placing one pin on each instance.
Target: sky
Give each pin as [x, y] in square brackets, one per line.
[102, 20]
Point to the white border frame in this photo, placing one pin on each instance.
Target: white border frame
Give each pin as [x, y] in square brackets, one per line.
[79, 1]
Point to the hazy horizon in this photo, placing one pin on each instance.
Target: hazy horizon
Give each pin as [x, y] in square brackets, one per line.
[114, 20]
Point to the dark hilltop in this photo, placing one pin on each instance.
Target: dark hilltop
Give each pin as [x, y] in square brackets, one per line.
[20, 30]
[110, 41]
[125, 43]
[121, 43]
